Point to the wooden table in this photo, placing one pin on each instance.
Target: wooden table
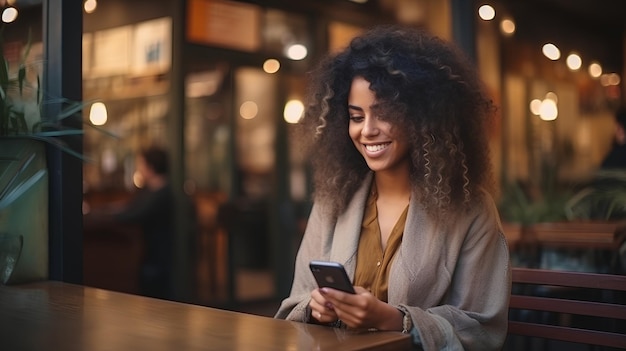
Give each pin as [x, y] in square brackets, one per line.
[59, 316]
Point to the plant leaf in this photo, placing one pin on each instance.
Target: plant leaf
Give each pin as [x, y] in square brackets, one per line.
[61, 145]
[21, 76]
[58, 133]
[102, 130]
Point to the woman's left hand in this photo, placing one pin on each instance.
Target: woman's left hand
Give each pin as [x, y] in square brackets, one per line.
[363, 310]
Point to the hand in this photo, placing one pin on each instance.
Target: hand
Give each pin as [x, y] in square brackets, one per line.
[360, 310]
[321, 309]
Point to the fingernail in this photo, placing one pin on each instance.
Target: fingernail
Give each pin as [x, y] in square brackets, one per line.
[329, 305]
[324, 291]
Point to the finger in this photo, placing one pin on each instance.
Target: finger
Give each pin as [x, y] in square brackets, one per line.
[333, 294]
[324, 316]
[316, 306]
[352, 309]
[319, 301]
[361, 290]
[321, 309]
[318, 296]
[337, 298]
[317, 315]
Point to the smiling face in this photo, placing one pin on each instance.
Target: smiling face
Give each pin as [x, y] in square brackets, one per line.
[382, 146]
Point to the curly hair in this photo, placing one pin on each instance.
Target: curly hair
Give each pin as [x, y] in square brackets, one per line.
[426, 87]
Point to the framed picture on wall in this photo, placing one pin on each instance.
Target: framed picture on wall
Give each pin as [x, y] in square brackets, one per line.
[152, 47]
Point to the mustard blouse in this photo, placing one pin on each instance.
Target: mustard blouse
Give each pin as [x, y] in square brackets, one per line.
[373, 265]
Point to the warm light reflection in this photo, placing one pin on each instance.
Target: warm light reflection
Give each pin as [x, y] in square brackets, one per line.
[98, 114]
[293, 111]
[574, 62]
[248, 110]
[486, 12]
[595, 70]
[507, 26]
[552, 96]
[9, 14]
[101, 294]
[610, 79]
[548, 110]
[297, 52]
[138, 180]
[535, 106]
[108, 161]
[551, 51]
[90, 6]
[271, 66]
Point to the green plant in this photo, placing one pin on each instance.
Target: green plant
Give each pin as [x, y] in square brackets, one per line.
[12, 88]
[22, 102]
[603, 198]
[528, 205]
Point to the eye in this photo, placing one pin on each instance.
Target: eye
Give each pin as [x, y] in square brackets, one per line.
[356, 118]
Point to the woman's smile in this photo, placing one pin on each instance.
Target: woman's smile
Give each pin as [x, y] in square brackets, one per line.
[375, 150]
[376, 147]
[380, 144]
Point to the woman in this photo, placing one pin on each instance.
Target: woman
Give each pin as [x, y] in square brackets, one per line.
[402, 180]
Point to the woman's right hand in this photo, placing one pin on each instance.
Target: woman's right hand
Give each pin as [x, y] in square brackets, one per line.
[321, 309]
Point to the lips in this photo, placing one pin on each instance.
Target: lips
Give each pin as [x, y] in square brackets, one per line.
[375, 149]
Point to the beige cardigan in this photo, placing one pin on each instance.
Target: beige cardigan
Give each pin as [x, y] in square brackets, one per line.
[454, 277]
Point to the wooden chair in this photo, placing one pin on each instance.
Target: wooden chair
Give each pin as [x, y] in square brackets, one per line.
[593, 245]
[576, 234]
[610, 308]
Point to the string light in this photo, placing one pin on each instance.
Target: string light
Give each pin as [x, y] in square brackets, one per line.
[487, 12]
[9, 14]
[90, 6]
[573, 61]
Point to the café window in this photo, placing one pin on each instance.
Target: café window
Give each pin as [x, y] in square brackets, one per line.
[124, 71]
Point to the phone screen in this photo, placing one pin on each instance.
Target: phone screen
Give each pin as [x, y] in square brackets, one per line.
[331, 275]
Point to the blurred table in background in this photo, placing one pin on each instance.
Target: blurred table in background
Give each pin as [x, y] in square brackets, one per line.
[587, 246]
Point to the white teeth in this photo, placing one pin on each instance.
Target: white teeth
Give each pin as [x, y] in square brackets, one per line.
[374, 148]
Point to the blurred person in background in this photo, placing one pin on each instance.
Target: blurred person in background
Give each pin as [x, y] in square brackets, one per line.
[616, 158]
[152, 207]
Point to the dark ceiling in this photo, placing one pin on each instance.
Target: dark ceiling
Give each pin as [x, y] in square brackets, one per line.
[595, 28]
[610, 13]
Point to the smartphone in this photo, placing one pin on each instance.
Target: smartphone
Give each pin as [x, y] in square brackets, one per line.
[331, 275]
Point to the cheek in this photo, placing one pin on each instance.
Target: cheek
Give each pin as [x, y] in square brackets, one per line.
[404, 144]
[354, 132]
[406, 150]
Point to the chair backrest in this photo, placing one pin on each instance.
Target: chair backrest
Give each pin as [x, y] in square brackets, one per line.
[576, 234]
[561, 293]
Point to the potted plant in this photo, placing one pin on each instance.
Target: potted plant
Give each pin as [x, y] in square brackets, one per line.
[24, 138]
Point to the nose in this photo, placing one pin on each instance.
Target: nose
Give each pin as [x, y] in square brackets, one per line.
[370, 126]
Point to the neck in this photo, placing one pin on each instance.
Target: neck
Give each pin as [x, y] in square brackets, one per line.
[396, 185]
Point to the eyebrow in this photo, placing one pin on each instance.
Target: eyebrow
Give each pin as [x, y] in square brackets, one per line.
[352, 107]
